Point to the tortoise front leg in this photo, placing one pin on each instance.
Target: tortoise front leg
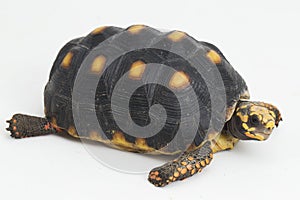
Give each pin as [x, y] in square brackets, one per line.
[22, 126]
[224, 141]
[185, 166]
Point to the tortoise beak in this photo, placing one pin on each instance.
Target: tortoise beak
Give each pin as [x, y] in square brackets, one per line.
[262, 136]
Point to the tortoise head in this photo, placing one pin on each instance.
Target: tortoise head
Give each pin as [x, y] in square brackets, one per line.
[254, 120]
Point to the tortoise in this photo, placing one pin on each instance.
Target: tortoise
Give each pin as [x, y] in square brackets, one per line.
[241, 118]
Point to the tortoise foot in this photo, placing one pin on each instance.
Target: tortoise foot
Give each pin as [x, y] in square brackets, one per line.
[159, 176]
[22, 126]
[188, 164]
[15, 127]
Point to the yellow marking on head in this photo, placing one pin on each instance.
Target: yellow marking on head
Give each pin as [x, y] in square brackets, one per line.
[244, 118]
[176, 174]
[94, 135]
[179, 169]
[135, 29]
[137, 70]
[171, 178]
[99, 30]
[270, 124]
[67, 60]
[258, 110]
[72, 131]
[14, 121]
[179, 80]
[245, 126]
[272, 114]
[176, 36]
[242, 107]
[202, 162]
[119, 140]
[158, 178]
[251, 129]
[258, 115]
[214, 57]
[259, 137]
[271, 107]
[264, 111]
[183, 171]
[98, 65]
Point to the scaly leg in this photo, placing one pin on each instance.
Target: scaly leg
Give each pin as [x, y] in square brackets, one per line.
[22, 126]
[223, 142]
[185, 166]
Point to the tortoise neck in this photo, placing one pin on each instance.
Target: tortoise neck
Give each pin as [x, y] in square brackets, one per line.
[231, 127]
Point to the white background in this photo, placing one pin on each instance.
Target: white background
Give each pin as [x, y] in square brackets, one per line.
[260, 39]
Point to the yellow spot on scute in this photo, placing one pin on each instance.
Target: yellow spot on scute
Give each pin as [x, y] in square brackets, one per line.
[94, 135]
[214, 57]
[119, 140]
[137, 70]
[72, 131]
[176, 36]
[98, 65]
[179, 80]
[99, 30]
[67, 60]
[135, 29]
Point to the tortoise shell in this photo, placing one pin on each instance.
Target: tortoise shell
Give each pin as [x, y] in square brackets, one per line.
[59, 91]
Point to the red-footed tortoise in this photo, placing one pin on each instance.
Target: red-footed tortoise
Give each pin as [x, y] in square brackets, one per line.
[242, 119]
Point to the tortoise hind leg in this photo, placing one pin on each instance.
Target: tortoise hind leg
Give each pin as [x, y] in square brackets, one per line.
[185, 166]
[22, 126]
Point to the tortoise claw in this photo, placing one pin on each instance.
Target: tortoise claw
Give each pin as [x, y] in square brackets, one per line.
[9, 122]
[13, 129]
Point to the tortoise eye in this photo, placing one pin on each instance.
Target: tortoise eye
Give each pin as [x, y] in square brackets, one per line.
[254, 120]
